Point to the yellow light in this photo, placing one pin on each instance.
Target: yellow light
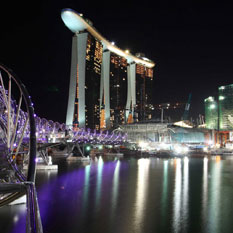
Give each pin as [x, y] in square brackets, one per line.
[127, 51]
[218, 159]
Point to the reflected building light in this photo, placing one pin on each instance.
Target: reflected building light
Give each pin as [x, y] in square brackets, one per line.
[16, 218]
[177, 197]
[205, 190]
[165, 187]
[19, 219]
[141, 192]
[99, 180]
[115, 186]
[218, 159]
[185, 194]
[86, 187]
[214, 197]
[165, 178]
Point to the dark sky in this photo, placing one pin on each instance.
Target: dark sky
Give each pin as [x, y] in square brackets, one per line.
[192, 46]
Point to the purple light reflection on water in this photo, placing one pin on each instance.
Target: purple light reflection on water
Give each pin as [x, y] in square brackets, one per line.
[57, 194]
[79, 194]
[61, 196]
[19, 220]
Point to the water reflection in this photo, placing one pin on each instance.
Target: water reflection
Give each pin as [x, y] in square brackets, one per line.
[185, 193]
[177, 196]
[99, 182]
[18, 219]
[115, 185]
[20, 212]
[205, 189]
[215, 197]
[181, 195]
[86, 189]
[165, 187]
[134, 195]
[115, 188]
[141, 192]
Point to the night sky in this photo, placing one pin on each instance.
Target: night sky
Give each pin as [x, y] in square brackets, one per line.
[192, 46]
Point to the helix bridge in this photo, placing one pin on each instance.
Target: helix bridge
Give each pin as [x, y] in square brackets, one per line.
[54, 135]
[25, 136]
[54, 138]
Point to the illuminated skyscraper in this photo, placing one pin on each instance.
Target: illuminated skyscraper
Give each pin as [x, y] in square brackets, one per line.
[219, 115]
[144, 88]
[226, 107]
[211, 113]
[104, 88]
[118, 89]
[86, 68]
[92, 84]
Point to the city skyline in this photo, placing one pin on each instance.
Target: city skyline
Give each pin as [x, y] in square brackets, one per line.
[191, 46]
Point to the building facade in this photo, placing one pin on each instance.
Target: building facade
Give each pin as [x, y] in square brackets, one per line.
[108, 86]
[85, 82]
[211, 113]
[226, 107]
[219, 114]
[118, 89]
[92, 82]
[144, 90]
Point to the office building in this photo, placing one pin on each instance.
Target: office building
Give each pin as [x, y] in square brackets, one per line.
[211, 113]
[226, 107]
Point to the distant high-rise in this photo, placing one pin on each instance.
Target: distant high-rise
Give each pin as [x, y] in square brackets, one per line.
[219, 114]
[211, 113]
[226, 107]
[108, 86]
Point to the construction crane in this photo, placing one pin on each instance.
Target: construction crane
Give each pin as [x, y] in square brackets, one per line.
[187, 107]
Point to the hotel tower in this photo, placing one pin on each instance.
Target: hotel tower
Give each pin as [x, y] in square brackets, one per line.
[108, 86]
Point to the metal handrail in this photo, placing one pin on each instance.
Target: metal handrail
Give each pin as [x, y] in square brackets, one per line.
[34, 224]
[27, 187]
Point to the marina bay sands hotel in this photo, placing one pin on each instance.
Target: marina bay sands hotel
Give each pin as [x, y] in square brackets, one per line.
[108, 86]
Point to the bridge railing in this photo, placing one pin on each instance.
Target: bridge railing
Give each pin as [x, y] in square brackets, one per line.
[17, 127]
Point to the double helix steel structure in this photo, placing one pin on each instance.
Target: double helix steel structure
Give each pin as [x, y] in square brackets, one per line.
[25, 136]
[18, 147]
[48, 131]
[51, 136]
